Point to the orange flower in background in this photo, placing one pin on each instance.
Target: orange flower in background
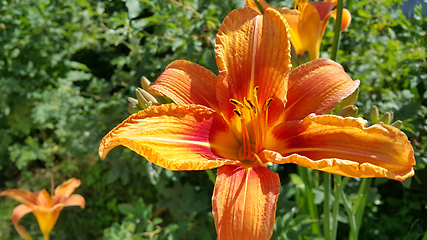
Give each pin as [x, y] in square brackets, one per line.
[45, 207]
[256, 112]
[307, 23]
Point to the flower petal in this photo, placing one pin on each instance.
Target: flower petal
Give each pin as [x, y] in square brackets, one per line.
[22, 196]
[47, 217]
[187, 83]
[253, 50]
[171, 136]
[343, 146]
[244, 202]
[251, 3]
[22, 232]
[310, 31]
[43, 198]
[75, 200]
[317, 87]
[19, 212]
[63, 191]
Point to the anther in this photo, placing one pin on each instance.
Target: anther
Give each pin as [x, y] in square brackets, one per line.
[238, 113]
[268, 103]
[251, 105]
[237, 103]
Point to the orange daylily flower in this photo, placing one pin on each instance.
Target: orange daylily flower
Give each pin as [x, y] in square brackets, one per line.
[307, 23]
[45, 207]
[256, 112]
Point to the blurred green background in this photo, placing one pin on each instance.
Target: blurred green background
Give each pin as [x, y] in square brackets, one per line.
[67, 68]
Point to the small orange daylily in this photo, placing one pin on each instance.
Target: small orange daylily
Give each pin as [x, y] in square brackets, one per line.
[307, 23]
[256, 112]
[45, 207]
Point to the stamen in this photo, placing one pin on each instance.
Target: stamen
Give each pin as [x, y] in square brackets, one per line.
[238, 113]
[256, 90]
[247, 151]
[268, 103]
[263, 164]
[251, 105]
[237, 103]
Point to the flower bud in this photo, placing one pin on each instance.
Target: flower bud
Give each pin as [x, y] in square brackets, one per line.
[145, 83]
[350, 100]
[374, 114]
[386, 118]
[144, 98]
[398, 124]
[348, 111]
[133, 109]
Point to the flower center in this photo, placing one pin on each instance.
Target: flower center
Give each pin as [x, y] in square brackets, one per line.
[253, 125]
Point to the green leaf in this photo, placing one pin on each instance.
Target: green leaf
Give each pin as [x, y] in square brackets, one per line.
[134, 8]
[126, 208]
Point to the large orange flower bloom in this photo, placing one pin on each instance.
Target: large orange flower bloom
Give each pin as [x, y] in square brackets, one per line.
[45, 207]
[255, 112]
[307, 23]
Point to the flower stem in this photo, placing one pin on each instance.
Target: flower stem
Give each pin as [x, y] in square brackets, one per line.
[259, 6]
[338, 189]
[326, 212]
[337, 31]
[351, 217]
[211, 175]
[359, 207]
[312, 208]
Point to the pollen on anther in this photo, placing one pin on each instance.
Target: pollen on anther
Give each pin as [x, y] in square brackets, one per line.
[268, 103]
[237, 103]
[238, 113]
[251, 105]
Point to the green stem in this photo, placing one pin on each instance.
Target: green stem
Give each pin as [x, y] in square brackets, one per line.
[211, 175]
[326, 211]
[312, 208]
[338, 189]
[259, 7]
[337, 31]
[351, 217]
[359, 207]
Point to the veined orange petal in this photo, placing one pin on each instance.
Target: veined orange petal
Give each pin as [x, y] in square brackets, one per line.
[244, 202]
[20, 211]
[187, 83]
[253, 6]
[317, 87]
[310, 31]
[343, 146]
[253, 50]
[22, 196]
[171, 136]
[346, 18]
[47, 217]
[63, 191]
[75, 200]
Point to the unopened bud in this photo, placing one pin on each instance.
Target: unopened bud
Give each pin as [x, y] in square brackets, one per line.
[145, 83]
[374, 114]
[398, 124]
[350, 100]
[133, 109]
[132, 101]
[348, 111]
[386, 118]
[144, 98]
